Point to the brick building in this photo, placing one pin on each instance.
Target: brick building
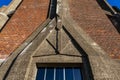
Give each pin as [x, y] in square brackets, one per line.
[60, 40]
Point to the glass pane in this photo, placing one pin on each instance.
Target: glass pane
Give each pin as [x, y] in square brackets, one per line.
[59, 74]
[40, 74]
[50, 74]
[69, 73]
[77, 74]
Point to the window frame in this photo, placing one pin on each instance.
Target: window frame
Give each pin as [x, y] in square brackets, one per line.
[62, 65]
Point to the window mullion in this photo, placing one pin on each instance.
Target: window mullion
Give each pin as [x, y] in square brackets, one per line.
[73, 74]
[54, 73]
[45, 73]
[64, 73]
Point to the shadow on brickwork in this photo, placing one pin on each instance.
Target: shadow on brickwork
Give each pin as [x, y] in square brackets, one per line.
[10, 15]
[104, 6]
[115, 19]
[52, 9]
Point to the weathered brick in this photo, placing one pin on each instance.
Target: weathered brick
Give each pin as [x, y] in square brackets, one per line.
[89, 16]
[25, 20]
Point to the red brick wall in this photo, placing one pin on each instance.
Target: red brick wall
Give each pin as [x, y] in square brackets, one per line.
[26, 19]
[89, 16]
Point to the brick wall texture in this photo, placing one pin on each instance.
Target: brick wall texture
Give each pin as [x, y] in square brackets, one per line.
[89, 15]
[29, 15]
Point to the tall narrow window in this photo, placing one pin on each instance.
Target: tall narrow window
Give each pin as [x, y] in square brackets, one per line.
[59, 73]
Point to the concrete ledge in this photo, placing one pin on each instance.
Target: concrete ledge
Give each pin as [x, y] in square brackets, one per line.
[7, 10]
[113, 11]
[3, 19]
[3, 8]
[12, 7]
[102, 66]
[11, 59]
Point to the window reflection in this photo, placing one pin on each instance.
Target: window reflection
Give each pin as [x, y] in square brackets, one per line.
[40, 74]
[50, 74]
[77, 74]
[68, 73]
[59, 74]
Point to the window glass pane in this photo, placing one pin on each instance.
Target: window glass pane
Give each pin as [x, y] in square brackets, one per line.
[59, 74]
[50, 74]
[77, 74]
[40, 74]
[69, 73]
